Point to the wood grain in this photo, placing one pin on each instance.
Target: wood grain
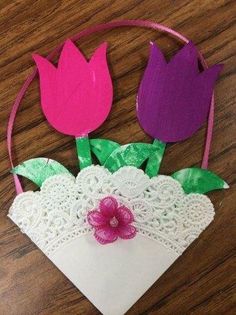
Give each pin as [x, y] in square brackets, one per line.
[200, 282]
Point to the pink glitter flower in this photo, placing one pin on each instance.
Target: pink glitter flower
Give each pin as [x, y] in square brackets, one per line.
[111, 221]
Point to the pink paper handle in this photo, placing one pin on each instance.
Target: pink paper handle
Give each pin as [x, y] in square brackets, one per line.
[87, 32]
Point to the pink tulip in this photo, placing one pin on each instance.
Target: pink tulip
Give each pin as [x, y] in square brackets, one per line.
[76, 96]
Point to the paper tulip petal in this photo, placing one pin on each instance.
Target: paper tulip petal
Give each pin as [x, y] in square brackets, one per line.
[198, 180]
[174, 98]
[76, 96]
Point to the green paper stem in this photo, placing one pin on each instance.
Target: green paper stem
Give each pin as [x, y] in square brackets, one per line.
[83, 152]
[154, 161]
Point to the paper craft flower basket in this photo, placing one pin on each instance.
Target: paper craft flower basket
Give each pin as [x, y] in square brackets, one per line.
[116, 227]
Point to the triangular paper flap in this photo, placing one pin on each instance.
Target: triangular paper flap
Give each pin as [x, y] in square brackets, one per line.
[115, 276]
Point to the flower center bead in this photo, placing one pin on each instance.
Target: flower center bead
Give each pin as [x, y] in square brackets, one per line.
[114, 222]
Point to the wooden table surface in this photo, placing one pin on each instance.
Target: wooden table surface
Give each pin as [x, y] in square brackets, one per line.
[202, 280]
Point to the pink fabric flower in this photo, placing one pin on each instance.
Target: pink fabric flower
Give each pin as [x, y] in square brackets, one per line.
[111, 221]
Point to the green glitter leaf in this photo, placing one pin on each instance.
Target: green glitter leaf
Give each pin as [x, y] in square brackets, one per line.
[133, 154]
[198, 180]
[103, 148]
[39, 169]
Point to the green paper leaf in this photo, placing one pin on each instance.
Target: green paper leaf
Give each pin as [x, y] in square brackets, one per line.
[39, 169]
[103, 148]
[198, 180]
[133, 154]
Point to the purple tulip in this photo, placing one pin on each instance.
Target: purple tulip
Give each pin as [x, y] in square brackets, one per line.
[174, 98]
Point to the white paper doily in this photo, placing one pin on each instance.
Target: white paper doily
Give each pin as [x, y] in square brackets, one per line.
[57, 213]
